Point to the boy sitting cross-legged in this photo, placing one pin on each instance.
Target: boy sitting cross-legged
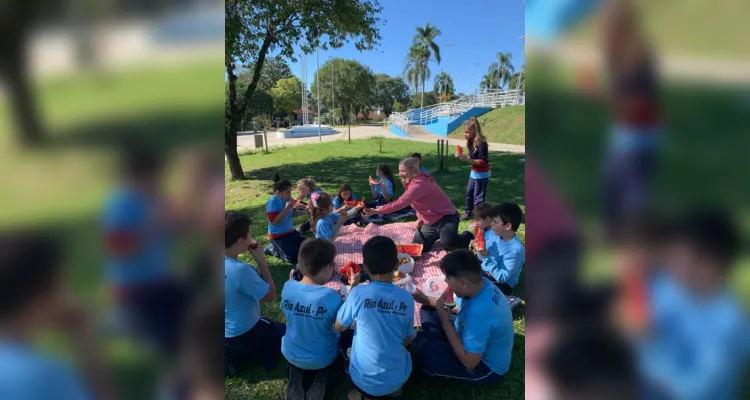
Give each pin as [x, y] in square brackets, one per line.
[311, 344]
[474, 346]
[384, 315]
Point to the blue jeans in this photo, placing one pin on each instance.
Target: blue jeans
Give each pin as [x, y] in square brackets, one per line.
[476, 191]
[431, 351]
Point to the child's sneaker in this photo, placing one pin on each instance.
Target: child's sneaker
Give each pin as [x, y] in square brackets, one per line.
[513, 301]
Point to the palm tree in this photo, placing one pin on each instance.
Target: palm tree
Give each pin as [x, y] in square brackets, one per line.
[489, 80]
[444, 85]
[425, 38]
[503, 68]
[517, 81]
[416, 69]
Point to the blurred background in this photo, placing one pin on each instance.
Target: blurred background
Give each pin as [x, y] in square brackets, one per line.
[79, 79]
[588, 94]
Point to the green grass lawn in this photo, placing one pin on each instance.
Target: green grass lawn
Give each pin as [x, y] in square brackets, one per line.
[694, 28]
[61, 185]
[332, 164]
[501, 125]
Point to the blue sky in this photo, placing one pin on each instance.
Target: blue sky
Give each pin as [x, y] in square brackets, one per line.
[478, 28]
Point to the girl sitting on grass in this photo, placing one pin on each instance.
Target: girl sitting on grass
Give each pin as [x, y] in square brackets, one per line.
[325, 222]
[306, 187]
[382, 186]
[339, 203]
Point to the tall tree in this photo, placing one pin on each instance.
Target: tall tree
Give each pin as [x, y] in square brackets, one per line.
[254, 27]
[353, 85]
[388, 91]
[503, 68]
[444, 86]
[489, 80]
[414, 66]
[287, 95]
[425, 38]
[274, 68]
[517, 81]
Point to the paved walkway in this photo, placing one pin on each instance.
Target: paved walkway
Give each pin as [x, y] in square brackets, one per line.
[361, 132]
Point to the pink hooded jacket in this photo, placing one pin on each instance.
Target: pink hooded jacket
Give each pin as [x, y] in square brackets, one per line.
[425, 197]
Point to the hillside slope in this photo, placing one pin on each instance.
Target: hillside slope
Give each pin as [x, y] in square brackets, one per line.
[502, 125]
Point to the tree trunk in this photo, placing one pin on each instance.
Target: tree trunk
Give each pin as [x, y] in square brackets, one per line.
[230, 149]
[14, 70]
[421, 104]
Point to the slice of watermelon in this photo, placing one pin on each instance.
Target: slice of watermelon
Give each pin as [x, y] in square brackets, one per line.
[373, 180]
[350, 268]
[449, 300]
[364, 207]
[459, 150]
[353, 203]
[479, 236]
[414, 250]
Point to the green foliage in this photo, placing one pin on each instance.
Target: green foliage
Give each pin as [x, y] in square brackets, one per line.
[429, 99]
[399, 106]
[274, 69]
[353, 85]
[253, 27]
[444, 85]
[389, 90]
[499, 73]
[501, 125]
[287, 95]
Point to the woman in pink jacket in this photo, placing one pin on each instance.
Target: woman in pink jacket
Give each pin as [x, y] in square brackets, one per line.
[436, 215]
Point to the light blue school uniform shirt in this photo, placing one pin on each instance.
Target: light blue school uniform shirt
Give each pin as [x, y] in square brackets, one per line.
[379, 363]
[243, 289]
[504, 260]
[274, 207]
[423, 170]
[485, 325]
[338, 203]
[388, 188]
[325, 228]
[130, 211]
[29, 375]
[310, 341]
[695, 348]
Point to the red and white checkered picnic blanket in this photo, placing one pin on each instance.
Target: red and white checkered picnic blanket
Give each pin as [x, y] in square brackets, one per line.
[349, 248]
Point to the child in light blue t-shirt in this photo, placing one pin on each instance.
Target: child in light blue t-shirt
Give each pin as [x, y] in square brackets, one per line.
[382, 187]
[384, 316]
[694, 345]
[31, 286]
[311, 344]
[503, 254]
[326, 223]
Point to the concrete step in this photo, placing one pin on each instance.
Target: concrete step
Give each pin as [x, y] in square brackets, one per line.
[418, 130]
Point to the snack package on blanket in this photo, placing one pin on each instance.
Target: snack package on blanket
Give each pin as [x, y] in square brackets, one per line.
[350, 268]
[459, 150]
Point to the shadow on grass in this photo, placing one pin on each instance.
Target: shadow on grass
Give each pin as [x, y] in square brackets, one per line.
[506, 184]
[419, 385]
[163, 130]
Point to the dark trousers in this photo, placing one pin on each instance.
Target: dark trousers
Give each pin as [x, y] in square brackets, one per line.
[431, 351]
[476, 191]
[286, 247]
[628, 176]
[504, 287]
[305, 227]
[377, 202]
[155, 312]
[261, 344]
[306, 384]
[446, 230]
